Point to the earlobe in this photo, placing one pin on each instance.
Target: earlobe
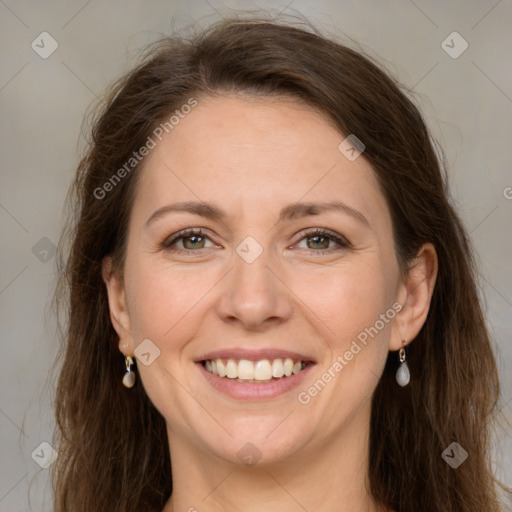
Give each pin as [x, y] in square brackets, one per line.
[415, 294]
[119, 315]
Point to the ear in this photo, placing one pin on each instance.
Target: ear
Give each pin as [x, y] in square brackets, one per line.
[415, 294]
[119, 314]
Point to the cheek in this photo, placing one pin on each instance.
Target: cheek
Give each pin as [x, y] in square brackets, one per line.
[165, 300]
[349, 302]
[346, 298]
[355, 335]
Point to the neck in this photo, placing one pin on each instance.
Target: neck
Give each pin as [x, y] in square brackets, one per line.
[329, 475]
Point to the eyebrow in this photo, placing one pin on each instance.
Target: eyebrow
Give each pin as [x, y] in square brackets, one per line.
[291, 212]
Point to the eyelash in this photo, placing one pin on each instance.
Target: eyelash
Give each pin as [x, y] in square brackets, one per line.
[190, 232]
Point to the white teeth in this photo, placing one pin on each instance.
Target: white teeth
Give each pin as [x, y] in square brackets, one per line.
[297, 367]
[288, 367]
[263, 370]
[245, 369]
[277, 368]
[254, 371]
[221, 369]
[231, 369]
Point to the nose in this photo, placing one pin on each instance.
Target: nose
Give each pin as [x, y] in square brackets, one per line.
[255, 294]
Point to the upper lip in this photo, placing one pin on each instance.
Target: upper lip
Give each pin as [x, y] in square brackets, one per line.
[254, 355]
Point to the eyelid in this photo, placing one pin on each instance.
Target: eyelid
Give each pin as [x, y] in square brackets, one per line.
[339, 244]
[183, 233]
[340, 239]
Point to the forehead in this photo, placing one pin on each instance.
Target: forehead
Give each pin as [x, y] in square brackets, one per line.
[272, 129]
[246, 151]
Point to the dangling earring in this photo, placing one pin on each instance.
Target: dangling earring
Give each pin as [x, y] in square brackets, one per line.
[403, 376]
[129, 376]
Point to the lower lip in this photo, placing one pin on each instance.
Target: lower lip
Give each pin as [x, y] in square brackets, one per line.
[254, 391]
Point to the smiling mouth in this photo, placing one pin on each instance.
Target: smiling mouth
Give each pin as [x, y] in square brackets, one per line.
[261, 371]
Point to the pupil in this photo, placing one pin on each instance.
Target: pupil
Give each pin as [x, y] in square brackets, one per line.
[188, 239]
[320, 237]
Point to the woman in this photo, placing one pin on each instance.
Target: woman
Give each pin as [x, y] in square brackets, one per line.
[272, 303]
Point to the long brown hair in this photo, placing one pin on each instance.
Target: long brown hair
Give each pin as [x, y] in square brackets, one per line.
[112, 442]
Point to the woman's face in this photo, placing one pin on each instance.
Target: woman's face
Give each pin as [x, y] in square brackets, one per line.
[258, 285]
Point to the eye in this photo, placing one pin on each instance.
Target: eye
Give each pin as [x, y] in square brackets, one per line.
[319, 240]
[192, 240]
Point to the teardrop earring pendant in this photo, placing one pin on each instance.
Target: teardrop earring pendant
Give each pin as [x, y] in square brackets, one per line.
[129, 376]
[403, 375]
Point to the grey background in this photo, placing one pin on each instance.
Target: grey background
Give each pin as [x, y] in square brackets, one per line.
[467, 101]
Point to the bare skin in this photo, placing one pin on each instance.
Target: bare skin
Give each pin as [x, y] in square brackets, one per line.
[304, 293]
